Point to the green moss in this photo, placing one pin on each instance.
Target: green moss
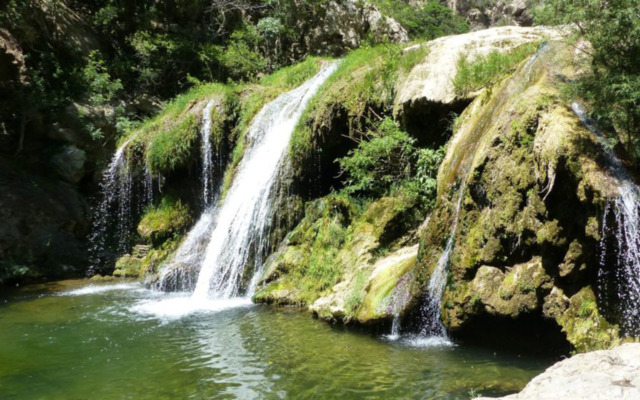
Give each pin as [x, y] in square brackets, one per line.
[329, 256]
[585, 328]
[173, 147]
[158, 255]
[159, 223]
[295, 75]
[128, 266]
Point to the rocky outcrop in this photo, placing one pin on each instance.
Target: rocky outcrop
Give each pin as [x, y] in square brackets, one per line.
[533, 185]
[345, 24]
[331, 264]
[432, 79]
[599, 375]
[483, 14]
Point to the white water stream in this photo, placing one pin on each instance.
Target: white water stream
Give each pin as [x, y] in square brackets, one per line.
[626, 230]
[236, 232]
[244, 215]
[207, 156]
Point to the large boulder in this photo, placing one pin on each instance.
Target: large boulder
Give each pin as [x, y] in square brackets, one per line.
[599, 375]
[527, 184]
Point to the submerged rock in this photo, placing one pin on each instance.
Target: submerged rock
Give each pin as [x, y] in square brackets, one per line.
[599, 375]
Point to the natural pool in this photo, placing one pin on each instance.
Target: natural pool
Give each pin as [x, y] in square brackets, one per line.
[69, 340]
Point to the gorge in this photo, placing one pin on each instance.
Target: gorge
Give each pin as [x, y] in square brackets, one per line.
[372, 218]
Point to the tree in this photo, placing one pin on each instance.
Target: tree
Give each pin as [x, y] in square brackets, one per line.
[613, 85]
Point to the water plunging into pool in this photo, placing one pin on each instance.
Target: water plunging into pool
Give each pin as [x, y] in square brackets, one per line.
[239, 232]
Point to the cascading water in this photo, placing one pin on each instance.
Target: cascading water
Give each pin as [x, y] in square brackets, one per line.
[621, 221]
[431, 312]
[236, 231]
[113, 220]
[243, 219]
[180, 273]
[207, 156]
[115, 187]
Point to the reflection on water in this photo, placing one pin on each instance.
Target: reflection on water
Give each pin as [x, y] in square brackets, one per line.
[68, 342]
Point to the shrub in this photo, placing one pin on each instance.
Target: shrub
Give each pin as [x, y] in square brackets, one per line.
[388, 162]
[486, 70]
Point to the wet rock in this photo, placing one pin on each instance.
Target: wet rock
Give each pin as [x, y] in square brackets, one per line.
[44, 223]
[68, 163]
[532, 193]
[599, 375]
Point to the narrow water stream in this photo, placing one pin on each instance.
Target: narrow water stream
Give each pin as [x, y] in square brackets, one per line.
[69, 341]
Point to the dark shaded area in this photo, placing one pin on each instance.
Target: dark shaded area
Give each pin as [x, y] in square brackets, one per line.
[430, 123]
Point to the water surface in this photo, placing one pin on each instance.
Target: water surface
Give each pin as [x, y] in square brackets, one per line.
[69, 341]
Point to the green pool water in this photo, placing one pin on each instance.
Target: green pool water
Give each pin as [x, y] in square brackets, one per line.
[69, 341]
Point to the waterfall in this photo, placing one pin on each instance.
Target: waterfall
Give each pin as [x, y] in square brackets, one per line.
[624, 212]
[180, 273]
[123, 198]
[207, 156]
[243, 218]
[114, 209]
[431, 311]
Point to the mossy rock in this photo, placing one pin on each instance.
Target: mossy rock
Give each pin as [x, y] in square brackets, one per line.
[585, 328]
[159, 223]
[128, 266]
[326, 261]
[388, 288]
[533, 189]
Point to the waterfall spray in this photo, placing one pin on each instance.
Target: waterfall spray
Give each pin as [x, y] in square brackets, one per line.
[243, 221]
[624, 212]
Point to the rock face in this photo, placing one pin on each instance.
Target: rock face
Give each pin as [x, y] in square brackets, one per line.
[345, 24]
[330, 264]
[533, 187]
[43, 226]
[484, 14]
[599, 375]
[432, 79]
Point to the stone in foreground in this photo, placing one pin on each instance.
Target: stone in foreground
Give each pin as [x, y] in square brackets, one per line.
[599, 375]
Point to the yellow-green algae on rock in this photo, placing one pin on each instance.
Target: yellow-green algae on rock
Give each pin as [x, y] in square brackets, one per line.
[332, 263]
[534, 190]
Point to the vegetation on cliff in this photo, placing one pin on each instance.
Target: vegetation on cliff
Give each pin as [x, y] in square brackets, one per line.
[612, 83]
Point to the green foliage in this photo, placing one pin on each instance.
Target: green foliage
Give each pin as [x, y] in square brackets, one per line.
[102, 89]
[612, 87]
[380, 161]
[173, 147]
[161, 222]
[364, 81]
[295, 75]
[389, 162]
[427, 21]
[242, 58]
[484, 71]
[329, 218]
